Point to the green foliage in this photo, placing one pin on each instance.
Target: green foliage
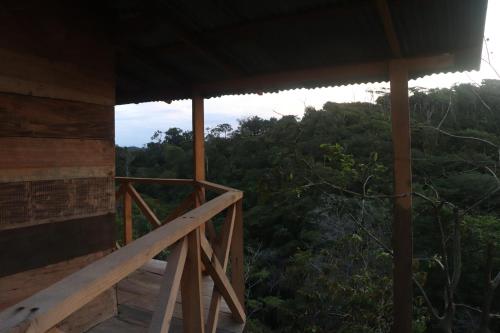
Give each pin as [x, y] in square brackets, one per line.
[318, 207]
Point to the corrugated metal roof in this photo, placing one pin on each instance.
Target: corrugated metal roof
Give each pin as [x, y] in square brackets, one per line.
[168, 48]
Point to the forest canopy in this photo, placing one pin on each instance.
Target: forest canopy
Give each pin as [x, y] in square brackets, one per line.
[318, 209]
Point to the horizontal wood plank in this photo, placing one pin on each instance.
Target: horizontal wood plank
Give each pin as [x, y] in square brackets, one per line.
[98, 310]
[32, 203]
[16, 287]
[27, 74]
[19, 153]
[63, 173]
[27, 248]
[54, 118]
[140, 291]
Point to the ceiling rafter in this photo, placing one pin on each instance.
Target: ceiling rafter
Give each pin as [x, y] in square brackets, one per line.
[198, 44]
[390, 32]
[162, 71]
[249, 29]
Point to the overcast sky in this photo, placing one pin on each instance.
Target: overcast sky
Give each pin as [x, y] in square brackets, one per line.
[136, 123]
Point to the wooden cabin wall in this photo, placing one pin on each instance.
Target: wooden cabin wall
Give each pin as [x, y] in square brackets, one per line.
[56, 145]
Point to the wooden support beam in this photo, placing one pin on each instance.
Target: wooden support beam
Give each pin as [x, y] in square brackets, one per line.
[237, 254]
[198, 137]
[223, 246]
[192, 305]
[169, 289]
[221, 281]
[127, 218]
[143, 206]
[334, 75]
[198, 117]
[402, 238]
[47, 308]
[121, 190]
[390, 32]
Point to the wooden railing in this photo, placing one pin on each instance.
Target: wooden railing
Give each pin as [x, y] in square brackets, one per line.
[185, 231]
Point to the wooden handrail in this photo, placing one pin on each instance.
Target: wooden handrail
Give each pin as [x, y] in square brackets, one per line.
[215, 187]
[47, 308]
[127, 189]
[177, 181]
[164, 181]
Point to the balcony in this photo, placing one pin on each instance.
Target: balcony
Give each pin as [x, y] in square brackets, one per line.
[191, 293]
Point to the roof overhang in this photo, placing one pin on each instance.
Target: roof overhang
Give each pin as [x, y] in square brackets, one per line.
[169, 50]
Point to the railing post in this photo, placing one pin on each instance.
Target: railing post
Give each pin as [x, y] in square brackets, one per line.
[237, 260]
[127, 218]
[191, 284]
[198, 117]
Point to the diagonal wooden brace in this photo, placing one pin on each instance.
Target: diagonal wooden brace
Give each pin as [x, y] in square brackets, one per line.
[143, 206]
[221, 281]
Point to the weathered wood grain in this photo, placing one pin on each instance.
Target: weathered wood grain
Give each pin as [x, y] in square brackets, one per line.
[169, 289]
[49, 51]
[28, 116]
[35, 174]
[46, 244]
[138, 295]
[98, 310]
[31, 75]
[191, 291]
[16, 287]
[19, 153]
[37, 202]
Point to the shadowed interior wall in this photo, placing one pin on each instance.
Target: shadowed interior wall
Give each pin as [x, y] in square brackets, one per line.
[57, 92]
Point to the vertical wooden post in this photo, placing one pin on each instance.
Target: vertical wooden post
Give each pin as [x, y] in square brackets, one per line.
[237, 260]
[198, 137]
[198, 115]
[402, 222]
[127, 218]
[191, 284]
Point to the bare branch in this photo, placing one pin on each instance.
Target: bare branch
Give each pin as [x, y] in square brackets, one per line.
[446, 114]
[460, 136]
[457, 254]
[426, 298]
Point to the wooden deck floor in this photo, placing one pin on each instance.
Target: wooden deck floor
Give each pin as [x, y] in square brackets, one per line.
[137, 296]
